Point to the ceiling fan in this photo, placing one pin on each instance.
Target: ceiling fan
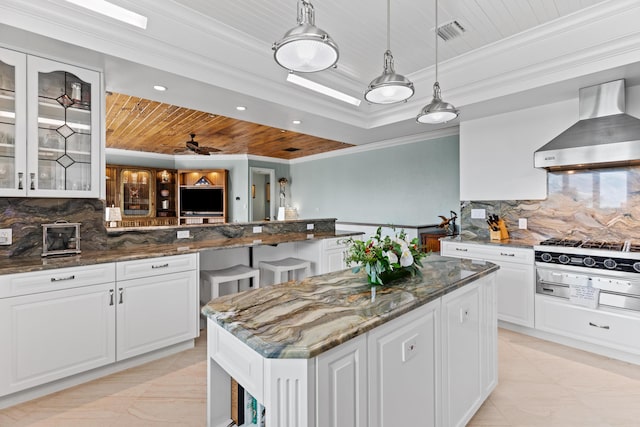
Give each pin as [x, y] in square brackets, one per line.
[192, 146]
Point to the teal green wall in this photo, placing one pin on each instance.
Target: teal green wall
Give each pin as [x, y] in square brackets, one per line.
[409, 184]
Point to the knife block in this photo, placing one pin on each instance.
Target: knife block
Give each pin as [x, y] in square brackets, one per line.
[501, 234]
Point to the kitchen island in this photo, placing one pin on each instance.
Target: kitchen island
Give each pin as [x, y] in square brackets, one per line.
[329, 351]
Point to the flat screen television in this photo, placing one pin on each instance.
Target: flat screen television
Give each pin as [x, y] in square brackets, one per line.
[201, 201]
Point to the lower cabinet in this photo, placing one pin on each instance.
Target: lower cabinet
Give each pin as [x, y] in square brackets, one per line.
[51, 335]
[404, 370]
[342, 385]
[155, 312]
[515, 279]
[60, 322]
[333, 255]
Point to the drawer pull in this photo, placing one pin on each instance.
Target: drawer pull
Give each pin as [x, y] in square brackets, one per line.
[120, 292]
[461, 249]
[160, 266]
[547, 289]
[61, 279]
[504, 254]
[110, 296]
[598, 326]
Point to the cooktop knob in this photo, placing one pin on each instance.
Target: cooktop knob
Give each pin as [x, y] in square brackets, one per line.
[564, 259]
[610, 264]
[546, 257]
[589, 262]
[636, 266]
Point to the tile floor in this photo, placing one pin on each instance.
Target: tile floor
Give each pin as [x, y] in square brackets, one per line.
[540, 384]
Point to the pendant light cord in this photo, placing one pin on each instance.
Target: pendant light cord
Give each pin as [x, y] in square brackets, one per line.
[389, 25]
[436, 33]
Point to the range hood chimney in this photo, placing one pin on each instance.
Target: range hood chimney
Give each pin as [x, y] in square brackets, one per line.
[603, 137]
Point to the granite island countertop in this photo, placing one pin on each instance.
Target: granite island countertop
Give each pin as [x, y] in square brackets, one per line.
[303, 319]
[141, 251]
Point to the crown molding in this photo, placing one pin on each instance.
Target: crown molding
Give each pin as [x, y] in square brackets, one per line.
[253, 157]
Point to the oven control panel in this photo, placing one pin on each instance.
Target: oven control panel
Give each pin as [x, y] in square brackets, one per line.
[589, 261]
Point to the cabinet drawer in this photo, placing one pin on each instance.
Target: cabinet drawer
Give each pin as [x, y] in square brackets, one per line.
[156, 266]
[610, 329]
[486, 252]
[335, 243]
[56, 279]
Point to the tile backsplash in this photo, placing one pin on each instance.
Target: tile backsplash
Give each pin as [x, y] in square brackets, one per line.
[595, 204]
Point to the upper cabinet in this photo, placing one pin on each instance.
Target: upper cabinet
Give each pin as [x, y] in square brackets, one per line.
[49, 128]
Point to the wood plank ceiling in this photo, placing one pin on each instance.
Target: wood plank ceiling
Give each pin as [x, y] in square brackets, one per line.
[140, 124]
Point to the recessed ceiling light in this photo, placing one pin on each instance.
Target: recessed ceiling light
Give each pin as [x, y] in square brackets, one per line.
[160, 88]
[241, 108]
[113, 11]
[282, 130]
[296, 122]
[325, 90]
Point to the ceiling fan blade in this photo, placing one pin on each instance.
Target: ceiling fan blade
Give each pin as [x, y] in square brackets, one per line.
[207, 150]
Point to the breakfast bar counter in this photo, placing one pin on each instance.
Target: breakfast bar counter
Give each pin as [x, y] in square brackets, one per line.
[313, 350]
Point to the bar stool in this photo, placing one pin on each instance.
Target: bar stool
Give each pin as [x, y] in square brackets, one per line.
[286, 265]
[236, 273]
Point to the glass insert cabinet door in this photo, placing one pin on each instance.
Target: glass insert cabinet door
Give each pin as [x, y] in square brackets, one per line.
[137, 192]
[13, 110]
[63, 138]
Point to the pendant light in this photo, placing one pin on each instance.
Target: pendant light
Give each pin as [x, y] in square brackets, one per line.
[389, 87]
[306, 48]
[437, 111]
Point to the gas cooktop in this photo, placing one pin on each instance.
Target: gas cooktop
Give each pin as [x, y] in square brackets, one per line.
[621, 256]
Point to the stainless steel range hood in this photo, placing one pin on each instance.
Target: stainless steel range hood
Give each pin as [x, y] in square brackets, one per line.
[603, 137]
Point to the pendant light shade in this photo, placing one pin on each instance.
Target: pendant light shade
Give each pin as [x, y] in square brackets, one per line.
[389, 87]
[437, 111]
[306, 48]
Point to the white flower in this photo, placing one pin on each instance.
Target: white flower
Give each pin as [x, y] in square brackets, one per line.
[406, 259]
[391, 256]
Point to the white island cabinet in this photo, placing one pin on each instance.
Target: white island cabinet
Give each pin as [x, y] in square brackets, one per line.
[515, 279]
[420, 353]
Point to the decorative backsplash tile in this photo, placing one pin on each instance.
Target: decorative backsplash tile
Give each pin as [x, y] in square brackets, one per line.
[595, 204]
[25, 217]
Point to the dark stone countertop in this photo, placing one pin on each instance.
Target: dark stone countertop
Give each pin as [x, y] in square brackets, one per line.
[303, 319]
[141, 251]
[514, 243]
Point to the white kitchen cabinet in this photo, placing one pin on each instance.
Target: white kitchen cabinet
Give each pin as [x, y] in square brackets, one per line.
[59, 106]
[404, 370]
[157, 303]
[342, 385]
[333, 255]
[515, 279]
[461, 355]
[608, 327]
[54, 324]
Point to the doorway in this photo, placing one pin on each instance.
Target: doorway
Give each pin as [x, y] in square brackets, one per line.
[262, 204]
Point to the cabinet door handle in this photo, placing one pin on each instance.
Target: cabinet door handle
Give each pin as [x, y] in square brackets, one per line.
[61, 279]
[20, 183]
[110, 296]
[504, 254]
[599, 326]
[461, 249]
[160, 266]
[120, 293]
[32, 178]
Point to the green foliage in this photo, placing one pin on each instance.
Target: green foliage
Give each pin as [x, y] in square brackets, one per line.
[380, 255]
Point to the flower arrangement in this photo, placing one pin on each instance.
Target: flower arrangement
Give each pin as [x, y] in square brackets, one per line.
[385, 259]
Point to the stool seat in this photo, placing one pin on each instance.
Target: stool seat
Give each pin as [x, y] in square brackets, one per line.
[286, 265]
[237, 272]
